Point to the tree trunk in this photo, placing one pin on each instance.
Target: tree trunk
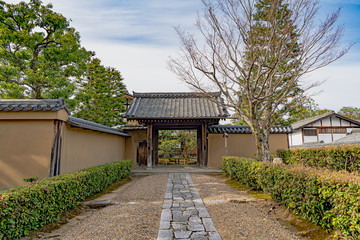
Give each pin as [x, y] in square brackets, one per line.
[262, 145]
[36, 93]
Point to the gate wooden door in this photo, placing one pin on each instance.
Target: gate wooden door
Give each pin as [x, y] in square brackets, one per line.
[142, 153]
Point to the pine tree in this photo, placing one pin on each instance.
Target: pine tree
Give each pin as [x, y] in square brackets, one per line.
[101, 95]
[272, 45]
[40, 54]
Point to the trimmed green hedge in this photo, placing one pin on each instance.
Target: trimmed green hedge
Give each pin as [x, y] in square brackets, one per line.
[27, 208]
[329, 199]
[337, 158]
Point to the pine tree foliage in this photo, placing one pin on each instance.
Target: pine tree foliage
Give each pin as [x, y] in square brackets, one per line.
[350, 112]
[40, 54]
[101, 95]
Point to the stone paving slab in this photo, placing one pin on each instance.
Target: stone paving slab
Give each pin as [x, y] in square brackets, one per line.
[184, 215]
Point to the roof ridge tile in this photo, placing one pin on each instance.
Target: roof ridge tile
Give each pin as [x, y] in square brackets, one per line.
[16, 105]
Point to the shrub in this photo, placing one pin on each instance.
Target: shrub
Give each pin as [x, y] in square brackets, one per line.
[346, 157]
[27, 208]
[329, 199]
[31, 179]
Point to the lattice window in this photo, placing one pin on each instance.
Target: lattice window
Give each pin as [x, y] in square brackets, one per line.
[339, 130]
[333, 130]
[324, 130]
[310, 132]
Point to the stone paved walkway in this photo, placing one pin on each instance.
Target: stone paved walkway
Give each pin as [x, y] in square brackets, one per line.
[184, 215]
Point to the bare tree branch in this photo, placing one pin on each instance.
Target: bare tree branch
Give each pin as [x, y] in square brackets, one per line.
[255, 52]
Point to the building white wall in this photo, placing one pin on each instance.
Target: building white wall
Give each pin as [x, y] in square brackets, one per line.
[295, 138]
[316, 124]
[336, 122]
[338, 136]
[326, 122]
[325, 137]
[345, 123]
[310, 139]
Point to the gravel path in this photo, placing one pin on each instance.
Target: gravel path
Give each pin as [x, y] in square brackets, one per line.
[140, 205]
[236, 221]
[137, 216]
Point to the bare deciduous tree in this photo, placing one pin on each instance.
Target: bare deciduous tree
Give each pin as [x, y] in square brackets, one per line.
[255, 52]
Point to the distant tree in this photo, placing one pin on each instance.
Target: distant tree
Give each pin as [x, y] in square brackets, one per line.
[167, 134]
[255, 52]
[169, 148]
[188, 141]
[40, 54]
[169, 144]
[350, 112]
[303, 110]
[101, 95]
[176, 142]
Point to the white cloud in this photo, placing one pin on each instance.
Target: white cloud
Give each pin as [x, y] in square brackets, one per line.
[341, 86]
[136, 37]
[143, 67]
[142, 21]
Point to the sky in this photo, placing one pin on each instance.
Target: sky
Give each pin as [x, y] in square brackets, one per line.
[137, 37]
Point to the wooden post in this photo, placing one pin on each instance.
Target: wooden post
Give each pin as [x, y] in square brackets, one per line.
[155, 146]
[56, 149]
[149, 145]
[226, 135]
[199, 144]
[204, 144]
[332, 130]
[302, 134]
[317, 134]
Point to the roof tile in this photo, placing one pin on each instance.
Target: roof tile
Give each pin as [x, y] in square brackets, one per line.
[81, 123]
[17, 105]
[243, 129]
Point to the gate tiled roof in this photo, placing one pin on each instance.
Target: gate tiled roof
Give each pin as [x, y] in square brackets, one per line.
[181, 105]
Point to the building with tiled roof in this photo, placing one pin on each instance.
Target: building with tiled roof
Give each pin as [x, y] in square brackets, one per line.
[176, 110]
[326, 128]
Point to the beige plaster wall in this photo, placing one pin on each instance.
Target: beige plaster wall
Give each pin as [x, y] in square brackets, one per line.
[242, 145]
[86, 148]
[25, 150]
[131, 143]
